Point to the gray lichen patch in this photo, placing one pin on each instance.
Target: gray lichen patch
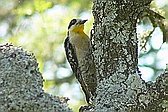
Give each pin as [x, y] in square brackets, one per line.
[21, 84]
[120, 87]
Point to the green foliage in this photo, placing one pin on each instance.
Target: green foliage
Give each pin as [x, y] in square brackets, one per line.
[42, 5]
[27, 8]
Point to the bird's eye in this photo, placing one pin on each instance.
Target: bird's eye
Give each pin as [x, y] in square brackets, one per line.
[73, 21]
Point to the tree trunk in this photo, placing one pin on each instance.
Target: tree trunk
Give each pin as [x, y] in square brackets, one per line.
[115, 48]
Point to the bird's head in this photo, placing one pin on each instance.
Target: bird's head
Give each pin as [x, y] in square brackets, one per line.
[76, 25]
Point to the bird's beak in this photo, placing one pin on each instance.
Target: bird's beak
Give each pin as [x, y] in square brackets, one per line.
[83, 21]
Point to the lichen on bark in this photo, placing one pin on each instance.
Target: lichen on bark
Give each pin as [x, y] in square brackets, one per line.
[21, 84]
[115, 48]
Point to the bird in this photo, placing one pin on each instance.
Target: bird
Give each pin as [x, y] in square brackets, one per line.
[79, 55]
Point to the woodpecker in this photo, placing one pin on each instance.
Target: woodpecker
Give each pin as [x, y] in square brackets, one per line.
[79, 55]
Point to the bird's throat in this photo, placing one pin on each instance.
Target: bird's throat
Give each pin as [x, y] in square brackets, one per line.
[78, 29]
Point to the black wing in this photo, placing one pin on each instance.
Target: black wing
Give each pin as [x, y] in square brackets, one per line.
[71, 55]
[73, 61]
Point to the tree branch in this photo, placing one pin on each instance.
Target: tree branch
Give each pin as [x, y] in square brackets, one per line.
[21, 84]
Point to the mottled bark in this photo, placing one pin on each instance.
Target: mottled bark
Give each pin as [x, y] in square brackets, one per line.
[21, 84]
[115, 48]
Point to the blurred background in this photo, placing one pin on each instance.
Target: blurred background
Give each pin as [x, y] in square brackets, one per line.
[40, 27]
